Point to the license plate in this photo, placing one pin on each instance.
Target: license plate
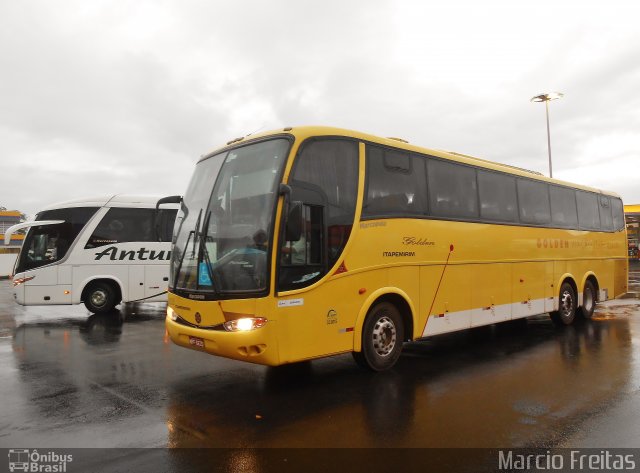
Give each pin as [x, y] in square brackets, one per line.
[196, 342]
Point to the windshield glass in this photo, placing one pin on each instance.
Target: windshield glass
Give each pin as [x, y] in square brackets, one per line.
[46, 244]
[223, 229]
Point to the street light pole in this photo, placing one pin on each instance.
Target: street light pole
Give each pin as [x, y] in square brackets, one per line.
[546, 106]
[546, 98]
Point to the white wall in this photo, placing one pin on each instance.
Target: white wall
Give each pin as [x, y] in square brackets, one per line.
[6, 263]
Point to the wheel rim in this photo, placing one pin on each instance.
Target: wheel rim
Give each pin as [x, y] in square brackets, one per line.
[588, 300]
[98, 298]
[384, 336]
[566, 305]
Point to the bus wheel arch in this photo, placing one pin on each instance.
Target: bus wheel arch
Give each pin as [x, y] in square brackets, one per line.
[382, 327]
[567, 303]
[101, 295]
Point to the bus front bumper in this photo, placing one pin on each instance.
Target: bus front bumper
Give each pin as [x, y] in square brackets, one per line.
[254, 346]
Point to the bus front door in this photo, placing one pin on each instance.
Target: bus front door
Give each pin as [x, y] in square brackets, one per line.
[43, 288]
[136, 283]
[156, 277]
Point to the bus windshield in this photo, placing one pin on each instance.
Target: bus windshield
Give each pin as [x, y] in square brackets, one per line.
[47, 244]
[223, 230]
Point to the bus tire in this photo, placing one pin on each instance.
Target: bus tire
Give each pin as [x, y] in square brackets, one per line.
[100, 297]
[382, 336]
[588, 300]
[566, 313]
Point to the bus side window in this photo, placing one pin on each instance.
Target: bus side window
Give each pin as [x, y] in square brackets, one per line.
[115, 230]
[533, 197]
[497, 196]
[606, 219]
[396, 184]
[452, 190]
[618, 214]
[122, 225]
[588, 213]
[563, 207]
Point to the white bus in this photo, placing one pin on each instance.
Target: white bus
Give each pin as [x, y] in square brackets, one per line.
[100, 251]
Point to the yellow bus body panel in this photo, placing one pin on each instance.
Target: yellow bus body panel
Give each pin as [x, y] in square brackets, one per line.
[452, 275]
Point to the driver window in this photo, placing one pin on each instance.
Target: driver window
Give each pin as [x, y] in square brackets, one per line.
[307, 250]
[325, 180]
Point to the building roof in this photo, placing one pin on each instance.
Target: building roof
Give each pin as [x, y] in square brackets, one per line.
[10, 213]
[632, 209]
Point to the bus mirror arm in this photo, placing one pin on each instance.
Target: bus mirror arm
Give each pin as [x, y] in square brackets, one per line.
[172, 199]
[284, 189]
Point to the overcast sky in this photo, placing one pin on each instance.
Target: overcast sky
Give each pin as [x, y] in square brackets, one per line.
[103, 97]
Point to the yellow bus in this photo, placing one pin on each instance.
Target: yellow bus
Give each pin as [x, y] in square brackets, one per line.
[309, 242]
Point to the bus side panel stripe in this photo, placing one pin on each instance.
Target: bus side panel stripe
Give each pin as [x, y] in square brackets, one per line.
[460, 320]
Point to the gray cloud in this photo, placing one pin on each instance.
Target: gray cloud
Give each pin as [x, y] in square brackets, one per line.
[114, 97]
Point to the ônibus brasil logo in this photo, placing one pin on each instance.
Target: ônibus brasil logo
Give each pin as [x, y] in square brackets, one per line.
[23, 459]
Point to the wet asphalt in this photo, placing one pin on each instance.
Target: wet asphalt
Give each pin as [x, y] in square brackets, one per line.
[74, 379]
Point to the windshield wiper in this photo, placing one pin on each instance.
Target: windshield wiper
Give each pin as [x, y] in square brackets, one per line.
[192, 233]
[184, 253]
[196, 231]
[204, 253]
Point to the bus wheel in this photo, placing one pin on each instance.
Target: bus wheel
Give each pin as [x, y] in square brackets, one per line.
[100, 297]
[567, 310]
[382, 337]
[588, 300]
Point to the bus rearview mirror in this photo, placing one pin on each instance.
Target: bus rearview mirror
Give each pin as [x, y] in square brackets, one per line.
[172, 199]
[293, 228]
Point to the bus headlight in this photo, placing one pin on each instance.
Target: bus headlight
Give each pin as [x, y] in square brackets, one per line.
[172, 314]
[245, 324]
[18, 281]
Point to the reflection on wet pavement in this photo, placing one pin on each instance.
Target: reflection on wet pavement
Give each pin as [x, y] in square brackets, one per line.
[76, 379]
